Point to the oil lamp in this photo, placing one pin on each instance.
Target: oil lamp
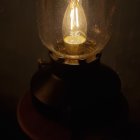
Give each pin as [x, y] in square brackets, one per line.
[74, 90]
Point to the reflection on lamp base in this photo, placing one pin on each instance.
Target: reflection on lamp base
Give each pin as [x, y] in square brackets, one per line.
[73, 103]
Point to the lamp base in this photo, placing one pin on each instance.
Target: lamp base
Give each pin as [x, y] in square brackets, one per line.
[35, 125]
[38, 127]
[73, 102]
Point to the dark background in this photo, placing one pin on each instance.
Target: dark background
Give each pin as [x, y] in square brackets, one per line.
[20, 48]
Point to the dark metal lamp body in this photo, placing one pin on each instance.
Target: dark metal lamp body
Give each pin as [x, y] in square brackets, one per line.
[79, 93]
[84, 98]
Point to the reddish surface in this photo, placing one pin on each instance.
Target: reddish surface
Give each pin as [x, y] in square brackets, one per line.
[36, 126]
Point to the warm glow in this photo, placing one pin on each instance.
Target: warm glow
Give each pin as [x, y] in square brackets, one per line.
[74, 24]
[75, 40]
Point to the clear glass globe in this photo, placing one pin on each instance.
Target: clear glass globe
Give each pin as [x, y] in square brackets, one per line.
[75, 30]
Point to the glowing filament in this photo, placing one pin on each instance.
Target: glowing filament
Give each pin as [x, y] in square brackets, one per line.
[74, 24]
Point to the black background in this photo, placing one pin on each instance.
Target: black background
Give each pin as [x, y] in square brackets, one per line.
[20, 48]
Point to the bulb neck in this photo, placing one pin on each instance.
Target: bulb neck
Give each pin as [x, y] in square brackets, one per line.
[68, 71]
[74, 61]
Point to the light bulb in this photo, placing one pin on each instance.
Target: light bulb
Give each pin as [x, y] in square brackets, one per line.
[74, 24]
